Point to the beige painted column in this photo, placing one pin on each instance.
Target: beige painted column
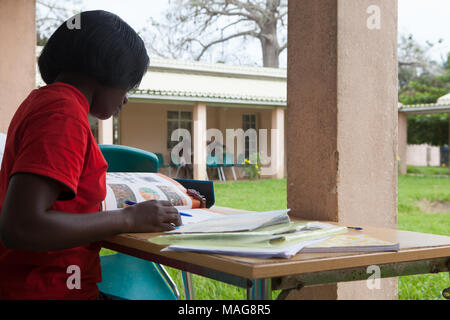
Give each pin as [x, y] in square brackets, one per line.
[17, 56]
[199, 141]
[402, 140]
[342, 121]
[277, 142]
[105, 131]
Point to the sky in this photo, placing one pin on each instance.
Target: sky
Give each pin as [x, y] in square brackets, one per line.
[426, 20]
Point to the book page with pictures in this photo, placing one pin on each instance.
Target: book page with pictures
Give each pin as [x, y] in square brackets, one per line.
[143, 186]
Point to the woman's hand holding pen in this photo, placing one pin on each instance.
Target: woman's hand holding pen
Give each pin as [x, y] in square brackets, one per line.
[151, 216]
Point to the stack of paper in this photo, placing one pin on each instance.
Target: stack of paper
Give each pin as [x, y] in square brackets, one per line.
[260, 234]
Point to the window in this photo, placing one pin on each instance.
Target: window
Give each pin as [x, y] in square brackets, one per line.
[177, 120]
[248, 121]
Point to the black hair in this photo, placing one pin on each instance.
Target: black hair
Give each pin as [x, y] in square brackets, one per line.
[100, 45]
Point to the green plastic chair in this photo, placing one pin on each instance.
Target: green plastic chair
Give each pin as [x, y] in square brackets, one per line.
[123, 276]
[128, 278]
[128, 159]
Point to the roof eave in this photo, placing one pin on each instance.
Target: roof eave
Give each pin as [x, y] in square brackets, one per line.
[420, 109]
[211, 101]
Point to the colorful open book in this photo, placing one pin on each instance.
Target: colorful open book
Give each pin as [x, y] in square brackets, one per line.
[143, 186]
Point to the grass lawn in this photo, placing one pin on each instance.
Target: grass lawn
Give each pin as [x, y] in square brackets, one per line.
[412, 189]
[247, 195]
[410, 217]
[427, 170]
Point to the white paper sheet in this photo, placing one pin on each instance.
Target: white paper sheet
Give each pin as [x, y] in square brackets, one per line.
[287, 251]
[198, 215]
[233, 223]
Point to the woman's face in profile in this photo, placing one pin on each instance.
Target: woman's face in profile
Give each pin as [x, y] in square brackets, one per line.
[107, 102]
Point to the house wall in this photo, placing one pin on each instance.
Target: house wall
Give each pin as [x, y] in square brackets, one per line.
[144, 126]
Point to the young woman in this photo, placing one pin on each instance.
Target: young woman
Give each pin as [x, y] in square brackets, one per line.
[52, 179]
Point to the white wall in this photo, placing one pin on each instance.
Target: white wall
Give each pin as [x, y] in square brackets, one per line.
[416, 155]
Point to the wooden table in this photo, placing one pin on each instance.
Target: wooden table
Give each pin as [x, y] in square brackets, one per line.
[419, 253]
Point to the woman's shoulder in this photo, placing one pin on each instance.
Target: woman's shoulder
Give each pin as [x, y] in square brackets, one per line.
[57, 98]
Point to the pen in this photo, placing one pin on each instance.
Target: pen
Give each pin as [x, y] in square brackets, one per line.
[131, 203]
[184, 214]
[355, 228]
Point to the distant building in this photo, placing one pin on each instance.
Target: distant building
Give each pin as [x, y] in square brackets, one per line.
[198, 96]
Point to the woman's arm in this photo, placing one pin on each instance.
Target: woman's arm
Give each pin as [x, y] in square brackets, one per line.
[27, 223]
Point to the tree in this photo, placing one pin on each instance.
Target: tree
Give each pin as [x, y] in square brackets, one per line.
[427, 128]
[191, 28]
[427, 87]
[413, 60]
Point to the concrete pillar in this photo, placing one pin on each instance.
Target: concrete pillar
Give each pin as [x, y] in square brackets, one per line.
[342, 120]
[105, 131]
[17, 56]
[402, 140]
[277, 142]
[199, 141]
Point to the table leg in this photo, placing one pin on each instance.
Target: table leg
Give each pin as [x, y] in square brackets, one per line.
[261, 289]
[187, 283]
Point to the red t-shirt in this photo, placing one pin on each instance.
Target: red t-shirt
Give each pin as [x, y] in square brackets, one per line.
[50, 135]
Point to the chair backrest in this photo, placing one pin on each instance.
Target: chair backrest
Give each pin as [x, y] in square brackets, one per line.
[128, 159]
[228, 159]
[212, 161]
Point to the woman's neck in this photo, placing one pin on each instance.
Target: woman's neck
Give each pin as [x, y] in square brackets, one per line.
[86, 85]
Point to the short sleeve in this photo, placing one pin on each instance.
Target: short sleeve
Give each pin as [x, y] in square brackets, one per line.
[53, 146]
